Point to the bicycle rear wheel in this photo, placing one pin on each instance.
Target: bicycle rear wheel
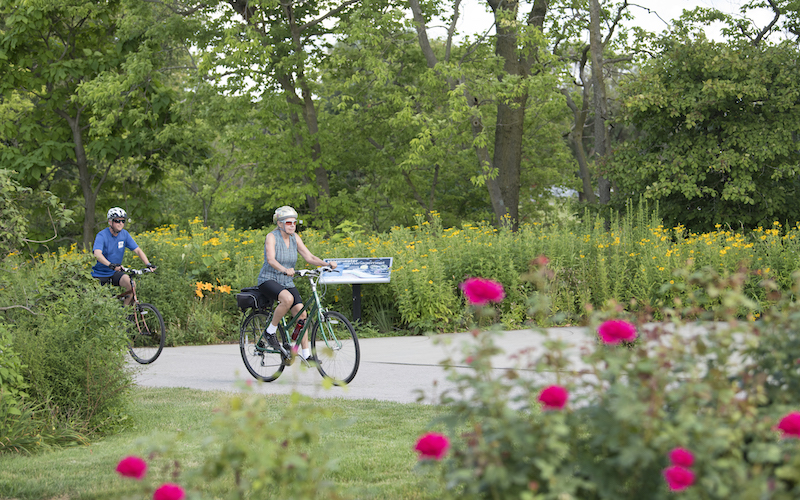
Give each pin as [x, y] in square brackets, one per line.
[147, 334]
[335, 345]
[263, 361]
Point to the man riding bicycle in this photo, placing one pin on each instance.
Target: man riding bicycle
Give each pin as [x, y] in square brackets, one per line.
[109, 250]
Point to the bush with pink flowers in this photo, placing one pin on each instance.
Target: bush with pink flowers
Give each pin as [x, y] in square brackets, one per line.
[690, 405]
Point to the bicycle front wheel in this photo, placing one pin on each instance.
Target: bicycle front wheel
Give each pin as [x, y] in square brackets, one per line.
[264, 362]
[147, 333]
[335, 346]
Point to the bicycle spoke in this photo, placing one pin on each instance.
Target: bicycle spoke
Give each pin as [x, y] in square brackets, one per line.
[263, 361]
[335, 345]
[147, 333]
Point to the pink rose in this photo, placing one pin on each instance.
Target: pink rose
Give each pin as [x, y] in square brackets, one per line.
[790, 425]
[481, 291]
[554, 397]
[133, 467]
[678, 478]
[432, 446]
[681, 457]
[615, 331]
[169, 491]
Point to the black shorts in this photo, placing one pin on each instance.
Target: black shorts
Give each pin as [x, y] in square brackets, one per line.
[272, 289]
[114, 279]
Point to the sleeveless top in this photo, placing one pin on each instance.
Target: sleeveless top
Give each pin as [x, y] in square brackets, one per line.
[287, 257]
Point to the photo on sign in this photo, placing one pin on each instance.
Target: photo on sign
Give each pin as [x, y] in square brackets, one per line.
[367, 270]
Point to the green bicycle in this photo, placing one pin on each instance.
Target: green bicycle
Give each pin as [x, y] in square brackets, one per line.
[333, 340]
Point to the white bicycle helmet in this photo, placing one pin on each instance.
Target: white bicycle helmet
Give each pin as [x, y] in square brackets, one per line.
[116, 213]
[283, 213]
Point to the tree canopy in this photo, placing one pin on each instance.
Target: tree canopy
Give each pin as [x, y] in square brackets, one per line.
[717, 134]
[356, 112]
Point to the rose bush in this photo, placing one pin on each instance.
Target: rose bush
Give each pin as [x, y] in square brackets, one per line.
[689, 405]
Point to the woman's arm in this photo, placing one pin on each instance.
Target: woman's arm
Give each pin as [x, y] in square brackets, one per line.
[310, 257]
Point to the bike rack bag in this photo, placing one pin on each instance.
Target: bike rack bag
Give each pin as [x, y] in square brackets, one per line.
[251, 298]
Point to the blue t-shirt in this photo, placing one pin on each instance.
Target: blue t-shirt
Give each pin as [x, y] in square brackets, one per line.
[113, 248]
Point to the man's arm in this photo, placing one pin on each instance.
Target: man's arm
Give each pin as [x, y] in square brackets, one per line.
[138, 251]
[98, 254]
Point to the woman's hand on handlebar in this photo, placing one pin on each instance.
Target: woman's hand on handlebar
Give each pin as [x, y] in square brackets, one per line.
[289, 271]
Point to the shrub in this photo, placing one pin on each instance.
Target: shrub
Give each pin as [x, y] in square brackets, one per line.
[254, 456]
[72, 344]
[609, 427]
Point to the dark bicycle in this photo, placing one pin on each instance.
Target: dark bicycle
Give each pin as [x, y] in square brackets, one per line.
[146, 333]
[333, 340]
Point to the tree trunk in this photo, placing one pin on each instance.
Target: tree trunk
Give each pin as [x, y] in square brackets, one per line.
[84, 177]
[600, 104]
[309, 109]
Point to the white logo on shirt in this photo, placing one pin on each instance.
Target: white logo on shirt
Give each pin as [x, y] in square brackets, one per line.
[120, 244]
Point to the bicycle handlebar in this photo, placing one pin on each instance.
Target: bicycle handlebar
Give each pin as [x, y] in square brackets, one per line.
[313, 272]
[138, 271]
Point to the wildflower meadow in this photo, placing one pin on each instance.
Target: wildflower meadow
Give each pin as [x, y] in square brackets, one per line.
[636, 263]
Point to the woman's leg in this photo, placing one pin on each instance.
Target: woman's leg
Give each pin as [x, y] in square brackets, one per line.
[286, 302]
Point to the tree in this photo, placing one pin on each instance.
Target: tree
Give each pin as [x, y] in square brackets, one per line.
[505, 83]
[718, 131]
[588, 98]
[269, 50]
[88, 72]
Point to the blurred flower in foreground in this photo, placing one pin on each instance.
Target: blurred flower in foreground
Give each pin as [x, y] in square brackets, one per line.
[169, 491]
[432, 446]
[554, 397]
[481, 291]
[133, 467]
[790, 425]
[678, 478]
[681, 457]
[615, 331]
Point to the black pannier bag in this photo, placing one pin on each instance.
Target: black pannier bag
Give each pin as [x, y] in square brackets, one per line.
[251, 298]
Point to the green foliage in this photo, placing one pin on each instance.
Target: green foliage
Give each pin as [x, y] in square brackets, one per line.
[717, 128]
[74, 348]
[18, 206]
[12, 383]
[264, 458]
[716, 389]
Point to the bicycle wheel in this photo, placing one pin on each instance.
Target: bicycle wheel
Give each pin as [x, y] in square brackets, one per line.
[335, 345]
[262, 361]
[147, 334]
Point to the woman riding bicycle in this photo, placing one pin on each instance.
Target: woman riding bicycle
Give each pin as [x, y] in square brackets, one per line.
[109, 249]
[281, 247]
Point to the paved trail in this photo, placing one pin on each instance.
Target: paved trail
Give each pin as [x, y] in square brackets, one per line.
[391, 369]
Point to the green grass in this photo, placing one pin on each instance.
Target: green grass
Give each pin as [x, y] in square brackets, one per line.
[374, 449]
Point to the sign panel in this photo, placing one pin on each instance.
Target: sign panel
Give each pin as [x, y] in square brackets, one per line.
[358, 271]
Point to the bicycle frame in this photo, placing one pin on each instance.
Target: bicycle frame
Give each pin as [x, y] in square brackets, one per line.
[315, 312]
[135, 301]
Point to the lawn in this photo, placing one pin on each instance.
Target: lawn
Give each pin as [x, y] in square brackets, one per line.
[370, 441]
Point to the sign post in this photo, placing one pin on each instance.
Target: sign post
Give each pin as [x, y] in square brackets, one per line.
[357, 272]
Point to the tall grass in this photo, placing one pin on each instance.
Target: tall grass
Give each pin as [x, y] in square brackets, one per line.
[628, 260]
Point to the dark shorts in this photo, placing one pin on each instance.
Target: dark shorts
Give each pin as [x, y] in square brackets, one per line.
[272, 289]
[114, 279]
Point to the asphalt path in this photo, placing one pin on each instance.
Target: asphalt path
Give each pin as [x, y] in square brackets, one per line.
[400, 369]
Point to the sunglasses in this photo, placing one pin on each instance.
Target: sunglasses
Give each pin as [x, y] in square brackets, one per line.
[118, 221]
[290, 222]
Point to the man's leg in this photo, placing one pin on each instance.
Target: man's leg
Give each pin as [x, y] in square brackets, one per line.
[125, 282]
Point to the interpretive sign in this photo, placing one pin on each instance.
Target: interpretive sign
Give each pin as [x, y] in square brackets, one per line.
[358, 272]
